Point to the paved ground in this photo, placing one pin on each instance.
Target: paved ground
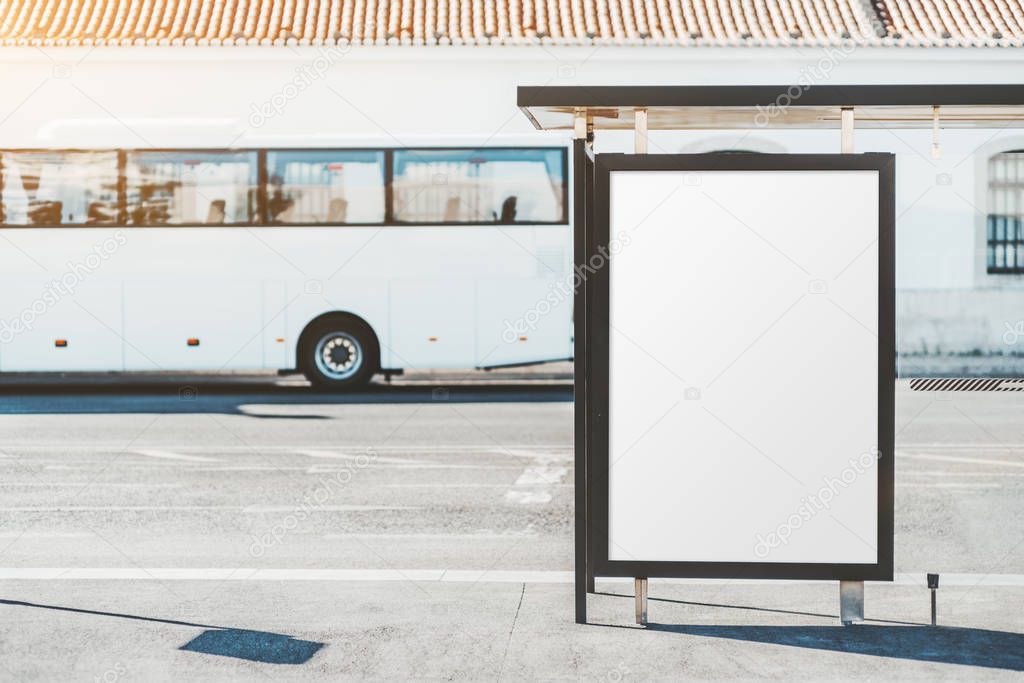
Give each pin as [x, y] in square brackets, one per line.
[180, 527]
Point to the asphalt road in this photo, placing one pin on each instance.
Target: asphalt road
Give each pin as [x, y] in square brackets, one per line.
[251, 528]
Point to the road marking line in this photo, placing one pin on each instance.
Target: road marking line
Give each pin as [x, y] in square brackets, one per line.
[912, 445]
[167, 455]
[459, 537]
[44, 534]
[107, 484]
[426, 575]
[425, 466]
[412, 448]
[118, 508]
[327, 508]
[539, 454]
[205, 508]
[949, 485]
[533, 486]
[363, 457]
[316, 469]
[453, 486]
[528, 497]
[541, 476]
[954, 473]
[972, 461]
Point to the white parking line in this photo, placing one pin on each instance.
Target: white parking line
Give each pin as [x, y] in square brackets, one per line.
[949, 485]
[954, 473]
[97, 484]
[538, 453]
[510, 535]
[315, 469]
[533, 486]
[327, 508]
[916, 579]
[528, 497]
[425, 466]
[410, 448]
[204, 508]
[44, 534]
[118, 508]
[455, 486]
[168, 455]
[910, 446]
[970, 461]
[362, 458]
[541, 476]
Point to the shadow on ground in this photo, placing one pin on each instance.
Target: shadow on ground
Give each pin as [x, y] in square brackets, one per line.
[875, 637]
[225, 397]
[939, 644]
[256, 646]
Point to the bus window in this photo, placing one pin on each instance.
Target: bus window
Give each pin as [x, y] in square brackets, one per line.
[326, 187]
[479, 186]
[55, 188]
[191, 188]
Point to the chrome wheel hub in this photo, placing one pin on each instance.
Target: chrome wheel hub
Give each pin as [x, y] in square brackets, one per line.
[338, 355]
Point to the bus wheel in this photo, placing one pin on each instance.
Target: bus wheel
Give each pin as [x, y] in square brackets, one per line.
[339, 354]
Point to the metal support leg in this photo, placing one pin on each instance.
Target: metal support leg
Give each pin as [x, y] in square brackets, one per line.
[933, 586]
[640, 590]
[851, 602]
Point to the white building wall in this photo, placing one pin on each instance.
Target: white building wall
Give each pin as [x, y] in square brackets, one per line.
[236, 97]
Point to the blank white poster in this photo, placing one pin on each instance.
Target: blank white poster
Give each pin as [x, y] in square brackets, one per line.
[743, 366]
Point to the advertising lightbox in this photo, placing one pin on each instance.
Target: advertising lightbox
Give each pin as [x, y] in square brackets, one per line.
[743, 327]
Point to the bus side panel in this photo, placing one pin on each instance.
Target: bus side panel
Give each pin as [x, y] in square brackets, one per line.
[274, 339]
[433, 323]
[49, 331]
[222, 317]
[523, 321]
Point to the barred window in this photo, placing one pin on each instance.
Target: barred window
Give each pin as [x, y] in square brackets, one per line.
[1006, 213]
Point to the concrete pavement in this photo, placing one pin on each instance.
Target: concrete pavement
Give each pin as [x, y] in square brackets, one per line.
[424, 531]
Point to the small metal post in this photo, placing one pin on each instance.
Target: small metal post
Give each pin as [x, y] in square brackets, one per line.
[851, 602]
[933, 585]
[846, 120]
[640, 131]
[640, 591]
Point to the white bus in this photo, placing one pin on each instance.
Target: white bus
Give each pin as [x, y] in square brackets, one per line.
[339, 263]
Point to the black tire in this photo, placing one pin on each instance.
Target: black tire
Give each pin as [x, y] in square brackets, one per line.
[339, 353]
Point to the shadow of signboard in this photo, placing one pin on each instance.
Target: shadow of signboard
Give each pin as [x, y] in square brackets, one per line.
[943, 645]
[257, 646]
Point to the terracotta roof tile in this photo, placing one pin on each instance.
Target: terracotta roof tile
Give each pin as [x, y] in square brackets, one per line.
[513, 22]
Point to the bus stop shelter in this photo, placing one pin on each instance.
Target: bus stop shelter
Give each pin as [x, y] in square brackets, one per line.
[653, 234]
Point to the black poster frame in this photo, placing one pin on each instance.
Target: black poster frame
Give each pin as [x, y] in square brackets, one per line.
[592, 451]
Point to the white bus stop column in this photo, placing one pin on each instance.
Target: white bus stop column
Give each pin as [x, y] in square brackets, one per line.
[640, 131]
[851, 593]
[640, 147]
